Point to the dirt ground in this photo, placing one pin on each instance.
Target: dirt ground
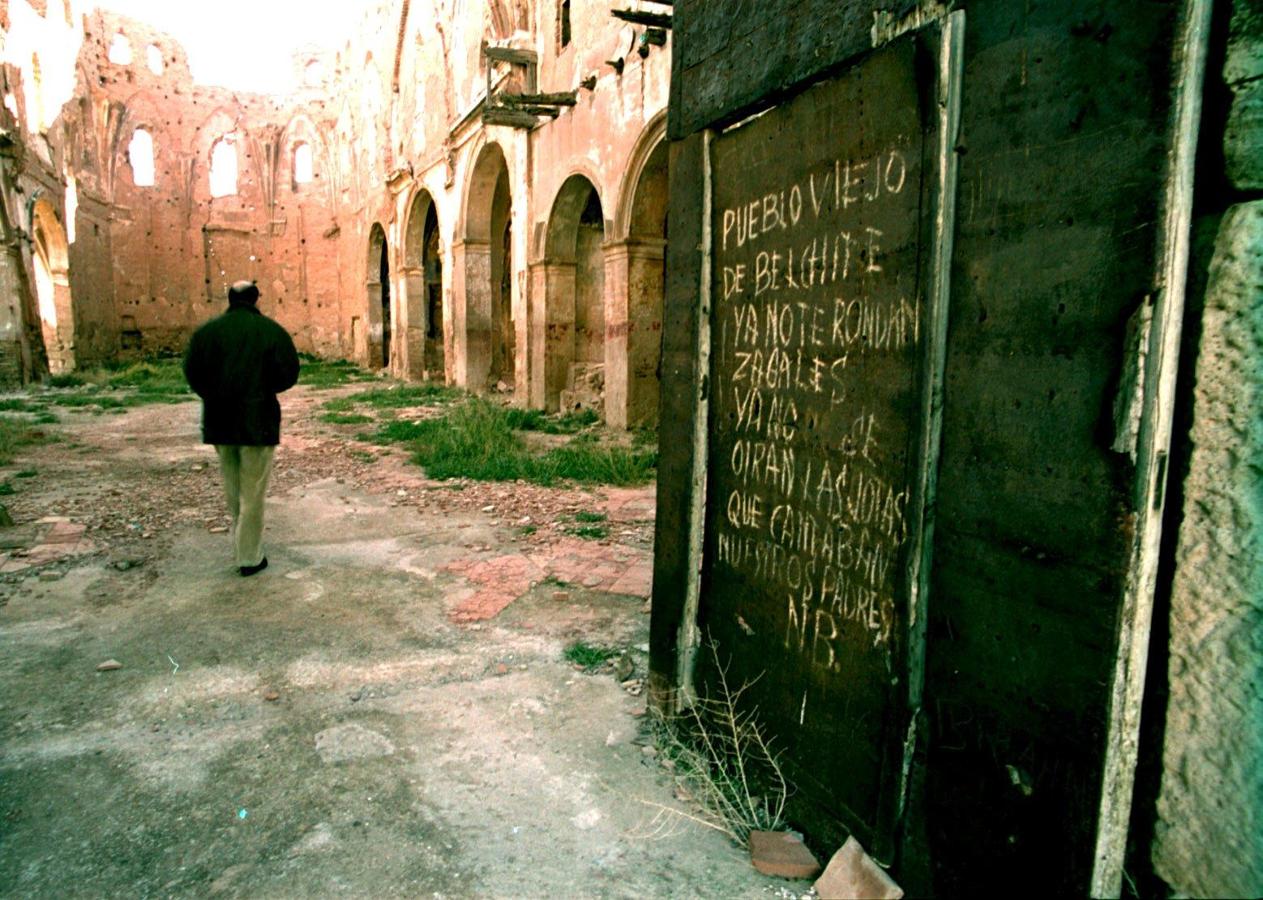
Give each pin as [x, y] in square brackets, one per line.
[385, 711]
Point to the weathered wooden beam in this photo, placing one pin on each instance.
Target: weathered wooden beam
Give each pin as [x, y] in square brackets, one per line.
[514, 118]
[636, 17]
[509, 55]
[565, 99]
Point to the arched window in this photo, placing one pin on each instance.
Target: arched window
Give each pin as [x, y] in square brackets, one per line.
[153, 58]
[223, 168]
[563, 24]
[313, 73]
[140, 155]
[303, 167]
[120, 50]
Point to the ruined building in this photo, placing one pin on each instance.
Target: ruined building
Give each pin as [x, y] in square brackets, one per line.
[476, 198]
[954, 342]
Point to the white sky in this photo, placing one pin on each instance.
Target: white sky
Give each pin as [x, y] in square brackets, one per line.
[245, 45]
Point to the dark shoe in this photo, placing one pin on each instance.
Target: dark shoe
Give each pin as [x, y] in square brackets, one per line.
[251, 570]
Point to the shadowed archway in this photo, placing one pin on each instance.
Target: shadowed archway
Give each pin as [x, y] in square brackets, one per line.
[378, 284]
[51, 259]
[423, 281]
[574, 300]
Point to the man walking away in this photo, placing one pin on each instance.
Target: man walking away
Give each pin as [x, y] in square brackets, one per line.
[237, 363]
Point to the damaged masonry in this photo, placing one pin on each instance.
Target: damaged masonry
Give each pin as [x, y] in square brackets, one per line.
[874, 384]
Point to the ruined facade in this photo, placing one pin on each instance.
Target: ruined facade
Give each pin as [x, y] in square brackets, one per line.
[477, 193]
[390, 212]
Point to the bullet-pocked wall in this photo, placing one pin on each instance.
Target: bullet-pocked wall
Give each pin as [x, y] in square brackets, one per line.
[1061, 172]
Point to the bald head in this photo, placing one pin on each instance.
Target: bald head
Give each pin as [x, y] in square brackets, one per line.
[243, 293]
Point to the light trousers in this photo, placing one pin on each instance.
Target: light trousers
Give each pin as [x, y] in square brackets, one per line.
[246, 471]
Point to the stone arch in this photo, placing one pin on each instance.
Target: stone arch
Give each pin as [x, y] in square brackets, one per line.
[482, 259]
[377, 279]
[636, 268]
[573, 368]
[301, 130]
[423, 281]
[219, 124]
[50, 259]
[651, 141]
[140, 113]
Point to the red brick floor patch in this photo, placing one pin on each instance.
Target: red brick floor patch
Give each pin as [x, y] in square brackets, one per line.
[499, 581]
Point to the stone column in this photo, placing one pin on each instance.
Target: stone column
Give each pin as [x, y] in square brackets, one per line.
[551, 331]
[471, 313]
[633, 330]
[414, 322]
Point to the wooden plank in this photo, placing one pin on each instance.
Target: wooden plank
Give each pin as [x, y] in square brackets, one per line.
[509, 55]
[636, 17]
[494, 115]
[563, 99]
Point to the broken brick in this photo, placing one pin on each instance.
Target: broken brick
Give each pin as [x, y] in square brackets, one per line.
[782, 854]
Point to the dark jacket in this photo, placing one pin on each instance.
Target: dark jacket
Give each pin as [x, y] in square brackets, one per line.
[237, 363]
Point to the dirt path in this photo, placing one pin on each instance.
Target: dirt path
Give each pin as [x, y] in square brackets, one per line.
[385, 711]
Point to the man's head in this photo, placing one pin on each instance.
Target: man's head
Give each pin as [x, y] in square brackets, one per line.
[243, 293]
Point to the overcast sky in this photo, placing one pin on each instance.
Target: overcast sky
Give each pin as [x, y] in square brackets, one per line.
[245, 44]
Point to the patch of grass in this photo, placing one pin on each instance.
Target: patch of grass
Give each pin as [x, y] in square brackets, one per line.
[584, 515]
[45, 418]
[527, 530]
[17, 404]
[65, 380]
[325, 373]
[14, 435]
[25, 473]
[425, 394]
[339, 404]
[537, 420]
[589, 532]
[589, 656]
[363, 456]
[6, 489]
[476, 440]
[588, 464]
[340, 418]
[396, 431]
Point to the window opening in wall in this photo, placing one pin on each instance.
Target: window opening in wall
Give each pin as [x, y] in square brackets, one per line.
[303, 168]
[313, 73]
[563, 23]
[223, 168]
[120, 51]
[153, 57]
[140, 155]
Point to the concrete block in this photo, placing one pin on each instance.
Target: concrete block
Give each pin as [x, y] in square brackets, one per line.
[852, 874]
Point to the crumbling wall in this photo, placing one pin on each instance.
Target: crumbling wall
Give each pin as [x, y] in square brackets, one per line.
[1209, 837]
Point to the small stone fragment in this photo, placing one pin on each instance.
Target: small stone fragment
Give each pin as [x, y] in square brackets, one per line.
[624, 667]
[561, 596]
[270, 695]
[109, 665]
[219, 529]
[853, 873]
[49, 576]
[502, 669]
[782, 854]
[649, 750]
